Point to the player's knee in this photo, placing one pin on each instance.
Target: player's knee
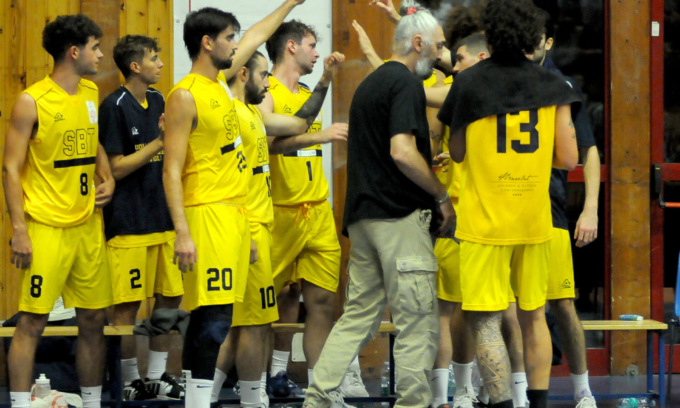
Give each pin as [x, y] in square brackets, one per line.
[167, 302]
[561, 306]
[210, 324]
[91, 321]
[125, 313]
[32, 324]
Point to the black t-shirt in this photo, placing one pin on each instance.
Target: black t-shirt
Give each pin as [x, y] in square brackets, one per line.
[558, 178]
[138, 205]
[388, 102]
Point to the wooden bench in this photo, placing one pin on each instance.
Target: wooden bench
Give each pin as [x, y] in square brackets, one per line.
[113, 360]
[651, 327]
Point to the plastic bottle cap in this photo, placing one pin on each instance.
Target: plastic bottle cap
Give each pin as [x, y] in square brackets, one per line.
[42, 379]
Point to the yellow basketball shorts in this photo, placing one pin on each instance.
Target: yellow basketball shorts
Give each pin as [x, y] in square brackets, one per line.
[561, 276]
[259, 301]
[70, 262]
[139, 273]
[447, 252]
[305, 246]
[222, 237]
[490, 272]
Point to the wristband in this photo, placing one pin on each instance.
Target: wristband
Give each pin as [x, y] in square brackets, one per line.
[444, 199]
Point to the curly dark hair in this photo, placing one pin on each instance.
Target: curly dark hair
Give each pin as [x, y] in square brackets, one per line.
[132, 48]
[461, 22]
[513, 28]
[206, 21]
[294, 30]
[66, 31]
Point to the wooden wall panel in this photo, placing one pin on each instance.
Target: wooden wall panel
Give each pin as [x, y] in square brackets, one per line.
[630, 175]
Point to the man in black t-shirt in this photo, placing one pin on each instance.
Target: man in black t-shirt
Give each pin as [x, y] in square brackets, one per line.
[391, 192]
[139, 232]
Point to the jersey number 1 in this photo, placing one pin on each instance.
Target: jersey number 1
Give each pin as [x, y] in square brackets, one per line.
[517, 145]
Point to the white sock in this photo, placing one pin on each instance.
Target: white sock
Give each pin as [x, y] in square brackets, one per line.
[188, 401]
[20, 399]
[92, 396]
[439, 383]
[200, 391]
[581, 385]
[218, 382]
[462, 373]
[263, 381]
[250, 393]
[279, 362]
[157, 363]
[519, 389]
[129, 370]
[310, 375]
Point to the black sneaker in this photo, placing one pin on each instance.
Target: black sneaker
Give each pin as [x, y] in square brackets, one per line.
[137, 391]
[166, 387]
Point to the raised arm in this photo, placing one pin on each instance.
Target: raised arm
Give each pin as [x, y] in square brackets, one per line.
[366, 46]
[122, 165]
[337, 132]
[182, 115]
[22, 124]
[566, 152]
[258, 34]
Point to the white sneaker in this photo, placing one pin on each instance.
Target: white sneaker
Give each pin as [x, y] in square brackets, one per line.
[464, 401]
[337, 401]
[352, 385]
[586, 402]
[264, 398]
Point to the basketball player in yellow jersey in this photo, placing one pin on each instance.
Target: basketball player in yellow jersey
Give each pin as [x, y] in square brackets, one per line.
[509, 134]
[307, 248]
[52, 154]
[205, 177]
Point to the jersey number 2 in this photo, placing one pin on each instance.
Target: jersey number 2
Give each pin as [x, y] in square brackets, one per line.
[517, 146]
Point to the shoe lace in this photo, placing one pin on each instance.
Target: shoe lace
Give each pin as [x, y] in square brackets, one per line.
[586, 402]
[464, 400]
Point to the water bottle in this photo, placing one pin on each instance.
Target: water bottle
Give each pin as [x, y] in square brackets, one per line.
[452, 381]
[385, 380]
[636, 403]
[42, 387]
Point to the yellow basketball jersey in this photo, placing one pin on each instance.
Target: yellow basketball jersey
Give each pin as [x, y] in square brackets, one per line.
[505, 177]
[297, 177]
[57, 179]
[215, 168]
[256, 149]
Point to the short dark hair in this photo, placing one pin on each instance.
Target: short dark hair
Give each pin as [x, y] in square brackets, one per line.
[549, 26]
[513, 28]
[66, 31]
[132, 48]
[475, 43]
[290, 30]
[461, 22]
[250, 65]
[206, 21]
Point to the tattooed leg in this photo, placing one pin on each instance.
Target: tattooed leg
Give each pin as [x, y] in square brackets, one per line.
[492, 356]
